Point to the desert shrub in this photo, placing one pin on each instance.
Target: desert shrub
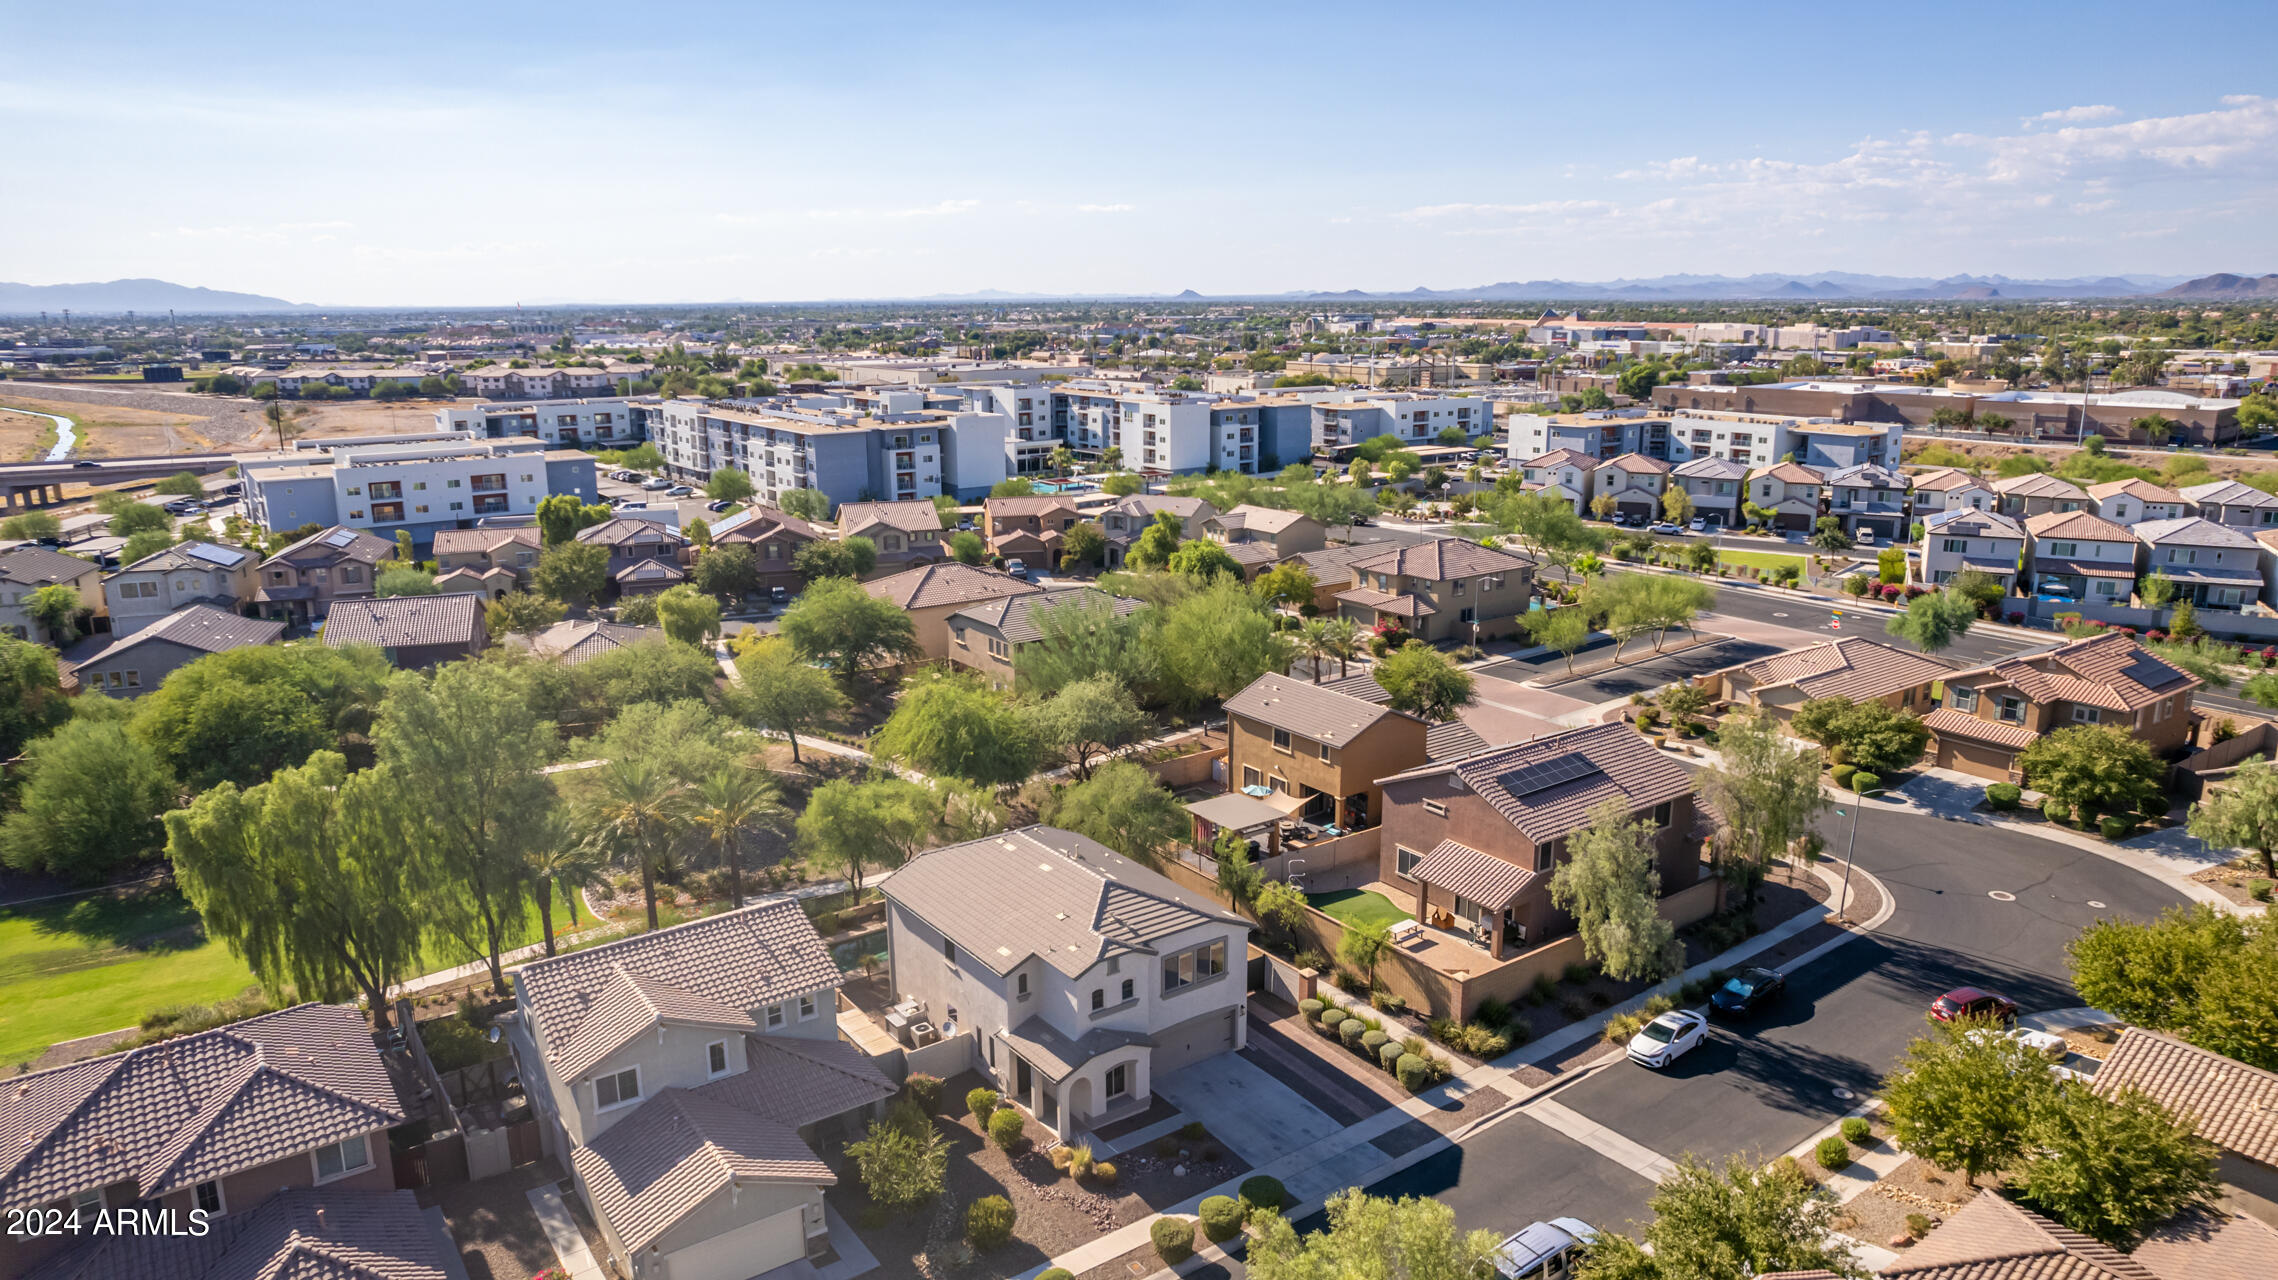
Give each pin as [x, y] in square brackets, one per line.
[1389, 1002]
[1863, 782]
[1623, 1027]
[1373, 1042]
[1312, 959]
[988, 1222]
[1166, 1147]
[982, 1103]
[1857, 1131]
[1331, 1019]
[1577, 973]
[1311, 1007]
[1221, 1218]
[2056, 811]
[1543, 991]
[1414, 1076]
[924, 1090]
[1484, 1042]
[1573, 1010]
[1833, 1153]
[2002, 795]
[1388, 1054]
[2258, 889]
[1104, 1173]
[1061, 1156]
[1079, 1160]
[1843, 774]
[1491, 1011]
[1263, 1191]
[2115, 827]
[1918, 1225]
[1657, 1004]
[1193, 1131]
[1695, 991]
[1350, 1031]
[1007, 1129]
[1056, 1273]
[1174, 1239]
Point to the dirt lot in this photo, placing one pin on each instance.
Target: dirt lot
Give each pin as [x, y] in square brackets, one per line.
[24, 438]
[127, 419]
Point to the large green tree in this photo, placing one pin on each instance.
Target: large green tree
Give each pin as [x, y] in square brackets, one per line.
[1125, 808]
[2113, 1167]
[839, 624]
[728, 572]
[1746, 1220]
[2241, 812]
[1215, 642]
[1873, 735]
[89, 804]
[561, 515]
[243, 714]
[1087, 720]
[307, 879]
[783, 691]
[853, 828]
[955, 726]
[32, 700]
[729, 484]
[846, 558]
[572, 572]
[1375, 1238]
[1934, 621]
[2099, 767]
[1155, 545]
[56, 608]
[1081, 638]
[688, 616]
[1421, 679]
[727, 807]
[467, 753]
[2205, 976]
[521, 613]
[1765, 795]
[1202, 558]
[1964, 1096]
[1612, 888]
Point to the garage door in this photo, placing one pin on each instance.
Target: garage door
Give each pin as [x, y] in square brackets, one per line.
[745, 1252]
[1968, 757]
[1192, 1041]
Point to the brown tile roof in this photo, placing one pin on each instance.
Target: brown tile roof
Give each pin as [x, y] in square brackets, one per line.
[1041, 504]
[2076, 524]
[745, 960]
[2208, 1244]
[648, 572]
[909, 517]
[625, 531]
[1258, 519]
[2110, 671]
[755, 524]
[576, 643]
[679, 1149]
[40, 567]
[1398, 604]
[1547, 787]
[1446, 741]
[1310, 711]
[1849, 667]
[194, 1108]
[1992, 1239]
[2084, 568]
[1944, 478]
[2134, 487]
[330, 546]
[1790, 473]
[487, 541]
[1014, 617]
[1041, 891]
[2234, 1105]
[2036, 484]
[1477, 877]
[301, 1233]
[1443, 558]
[404, 622]
[1638, 464]
[1946, 722]
[1333, 563]
[1560, 458]
[939, 584]
[630, 1004]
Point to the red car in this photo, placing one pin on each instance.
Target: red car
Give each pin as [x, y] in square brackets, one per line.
[1969, 1002]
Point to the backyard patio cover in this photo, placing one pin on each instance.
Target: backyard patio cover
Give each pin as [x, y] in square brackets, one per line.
[1238, 812]
[1472, 875]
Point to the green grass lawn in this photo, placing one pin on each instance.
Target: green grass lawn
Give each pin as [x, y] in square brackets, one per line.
[1760, 559]
[1358, 906]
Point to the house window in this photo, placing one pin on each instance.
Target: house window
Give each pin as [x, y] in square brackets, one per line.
[88, 1202]
[1324, 751]
[345, 1157]
[1099, 999]
[774, 1016]
[1545, 854]
[716, 1058]
[1130, 989]
[2085, 715]
[1408, 860]
[1957, 546]
[949, 951]
[1662, 811]
[2064, 548]
[1119, 1080]
[1191, 966]
[1281, 739]
[1435, 808]
[2012, 709]
[1963, 699]
[206, 1196]
[1020, 985]
[1251, 777]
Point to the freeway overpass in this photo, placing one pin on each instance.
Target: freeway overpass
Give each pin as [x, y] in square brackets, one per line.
[32, 484]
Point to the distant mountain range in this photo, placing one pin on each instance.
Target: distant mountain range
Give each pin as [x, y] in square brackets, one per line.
[116, 296]
[2224, 286]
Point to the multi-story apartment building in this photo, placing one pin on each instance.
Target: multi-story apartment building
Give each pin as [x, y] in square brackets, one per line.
[610, 423]
[1405, 416]
[1752, 439]
[1965, 538]
[2050, 414]
[184, 574]
[420, 488]
[1599, 434]
[502, 382]
[903, 450]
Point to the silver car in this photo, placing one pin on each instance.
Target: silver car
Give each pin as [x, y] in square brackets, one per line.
[1544, 1251]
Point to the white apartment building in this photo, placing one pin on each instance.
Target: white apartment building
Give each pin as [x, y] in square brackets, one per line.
[1759, 439]
[502, 382]
[423, 488]
[607, 422]
[900, 452]
[1408, 417]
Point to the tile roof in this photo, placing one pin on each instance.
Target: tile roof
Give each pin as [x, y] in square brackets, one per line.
[909, 517]
[1474, 876]
[746, 959]
[1308, 710]
[679, 1149]
[1258, 519]
[1041, 891]
[1790, 473]
[579, 642]
[1446, 741]
[1596, 762]
[2234, 1106]
[2038, 484]
[486, 541]
[1944, 479]
[626, 531]
[2133, 487]
[2191, 531]
[1992, 1239]
[330, 546]
[1043, 1045]
[1946, 722]
[40, 567]
[404, 622]
[2110, 671]
[301, 1233]
[1637, 464]
[1040, 504]
[647, 572]
[1561, 458]
[2209, 1244]
[1014, 617]
[756, 524]
[2085, 568]
[1870, 475]
[213, 556]
[1398, 604]
[1968, 522]
[629, 1004]
[1330, 563]
[2076, 524]
[1713, 469]
[193, 1108]
[1443, 558]
[796, 1081]
[203, 627]
[1143, 506]
[2229, 493]
[1849, 667]
[939, 584]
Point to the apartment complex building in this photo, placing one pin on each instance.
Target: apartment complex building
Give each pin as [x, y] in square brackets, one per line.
[1751, 439]
[423, 488]
[1405, 416]
[505, 382]
[609, 423]
[904, 449]
[2197, 420]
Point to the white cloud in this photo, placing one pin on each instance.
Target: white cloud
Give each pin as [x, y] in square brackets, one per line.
[938, 209]
[2240, 99]
[2071, 115]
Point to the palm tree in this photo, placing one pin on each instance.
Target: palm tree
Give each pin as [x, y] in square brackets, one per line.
[560, 862]
[634, 813]
[1062, 459]
[1341, 640]
[729, 804]
[1313, 643]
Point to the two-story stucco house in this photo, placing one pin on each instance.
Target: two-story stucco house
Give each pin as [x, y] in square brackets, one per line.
[1122, 523]
[1992, 713]
[2232, 504]
[2037, 493]
[686, 1076]
[1714, 485]
[1275, 534]
[773, 537]
[988, 637]
[1085, 977]
[1964, 538]
[2133, 501]
[299, 583]
[1870, 499]
[932, 594]
[645, 556]
[907, 534]
[1316, 753]
[1794, 493]
[182, 575]
[1634, 482]
[1476, 840]
[2214, 566]
[218, 1122]
[24, 570]
[487, 554]
[2079, 557]
[1949, 489]
[1567, 474]
[1030, 528]
[1446, 589]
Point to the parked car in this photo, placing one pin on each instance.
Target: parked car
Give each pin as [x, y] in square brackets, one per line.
[678, 491]
[1666, 527]
[1747, 991]
[656, 482]
[86, 464]
[1699, 523]
[779, 596]
[718, 504]
[1017, 568]
[1866, 538]
[1544, 1251]
[1969, 1002]
[1668, 1038]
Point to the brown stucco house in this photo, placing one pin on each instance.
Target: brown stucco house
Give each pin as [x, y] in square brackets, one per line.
[515, 550]
[1122, 523]
[1476, 839]
[774, 538]
[907, 534]
[1852, 667]
[1446, 590]
[1993, 713]
[1029, 528]
[301, 582]
[931, 593]
[1315, 753]
[414, 631]
[645, 556]
[988, 637]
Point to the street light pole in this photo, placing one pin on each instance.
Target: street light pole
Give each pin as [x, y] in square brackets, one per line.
[1850, 846]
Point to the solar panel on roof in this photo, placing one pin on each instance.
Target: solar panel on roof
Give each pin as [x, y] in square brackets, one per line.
[340, 537]
[2150, 672]
[1554, 772]
[223, 556]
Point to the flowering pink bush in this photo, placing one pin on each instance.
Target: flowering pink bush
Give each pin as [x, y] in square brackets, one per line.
[2155, 634]
[2016, 619]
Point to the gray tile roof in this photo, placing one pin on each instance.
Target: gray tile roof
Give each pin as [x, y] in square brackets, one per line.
[644, 573]
[301, 1233]
[330, 546]
[1311, 711]
[1444, 558]
[632, 1003]
[796, 1081]
[1042, 1045]
[40, 567]
[1014, 617]
[1968, 522]
[404, 622]
[1713, 469]
[1335, 564]
[743, 960]
[1258, 519]
[2230, 493]
[189, 1109]
[2036, 484]
[203, 627]
[1597, 763]
[679, 1149]
[1041, 891]
[2191, 531]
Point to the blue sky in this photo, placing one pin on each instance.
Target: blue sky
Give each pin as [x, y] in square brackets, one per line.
[492, 153]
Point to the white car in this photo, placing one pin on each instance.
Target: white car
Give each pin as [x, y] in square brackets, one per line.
[1699, 523]
[1668, 1038]
[654, 483]
[1545, 1250]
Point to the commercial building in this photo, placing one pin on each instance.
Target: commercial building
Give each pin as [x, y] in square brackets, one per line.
[2062, 415]
[422, 488]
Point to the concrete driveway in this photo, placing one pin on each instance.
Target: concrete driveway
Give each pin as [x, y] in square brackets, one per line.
[1259, 1117]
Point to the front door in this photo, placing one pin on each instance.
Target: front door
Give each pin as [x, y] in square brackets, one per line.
[1022, 1080]
[1048, 1107]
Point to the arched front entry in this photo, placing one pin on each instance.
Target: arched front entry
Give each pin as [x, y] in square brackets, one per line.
[1079, 1105]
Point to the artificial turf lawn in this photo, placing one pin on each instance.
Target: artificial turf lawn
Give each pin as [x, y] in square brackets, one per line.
[1358, 906]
